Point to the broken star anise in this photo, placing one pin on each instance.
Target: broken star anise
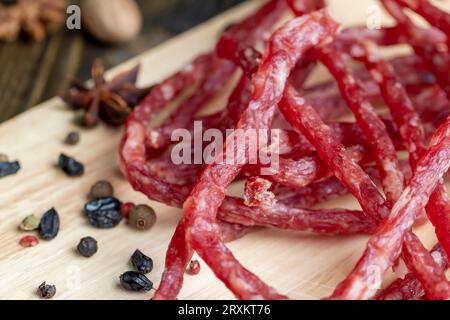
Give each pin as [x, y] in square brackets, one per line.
[34, 18]
[110, 101]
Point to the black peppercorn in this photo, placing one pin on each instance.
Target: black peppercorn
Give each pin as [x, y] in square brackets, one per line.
[9, 168]
[142, 217]
[103, 213]
[135, 281]
[141, 262]
[46, 291]
[101, 189]
[72, 138]
[87, 247]
[49, 225]
[70, 166]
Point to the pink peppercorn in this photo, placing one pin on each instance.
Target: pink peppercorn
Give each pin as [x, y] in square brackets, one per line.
[29, 241]
[194, 268]
[126, 208]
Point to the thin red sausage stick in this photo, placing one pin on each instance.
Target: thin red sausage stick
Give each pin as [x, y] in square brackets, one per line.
[161, 95]
[147, 181]
[382, 148]
[379, 140]
[286, 47]
[303, 117]
[409, 288]
[302, 172]
[427, 43]
[326, 97]
[325, 190]
[412, 131]
[219, 73]
[134, 160]
[384, 247]
[238, 41]
[323, 221]
[428, 272]
[435, 16]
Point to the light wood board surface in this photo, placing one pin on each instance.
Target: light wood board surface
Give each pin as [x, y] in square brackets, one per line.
[300, 265]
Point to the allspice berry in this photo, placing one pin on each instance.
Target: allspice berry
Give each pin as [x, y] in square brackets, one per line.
[101, 189]
[4, 157]
[142, 217]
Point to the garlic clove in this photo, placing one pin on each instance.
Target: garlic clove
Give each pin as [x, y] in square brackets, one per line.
[111, 21]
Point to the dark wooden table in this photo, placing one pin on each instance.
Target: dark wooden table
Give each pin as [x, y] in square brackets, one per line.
[34, 72]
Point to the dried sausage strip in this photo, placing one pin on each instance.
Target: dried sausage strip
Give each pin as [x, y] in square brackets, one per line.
[426, 43]
[380, 143]
[435, 16]
[385, 245]
[412, 131]
[410, 288]
[285, 48]
[319, 221]
[219, 73]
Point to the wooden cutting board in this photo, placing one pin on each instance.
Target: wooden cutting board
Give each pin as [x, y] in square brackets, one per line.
[300, 265]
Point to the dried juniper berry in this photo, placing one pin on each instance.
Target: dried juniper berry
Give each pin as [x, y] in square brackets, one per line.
[135, 281]
[70, 166]
[9, 168]
[141, 262]
[87, 247]
[46, 291]
[49, 225]
[103, 213]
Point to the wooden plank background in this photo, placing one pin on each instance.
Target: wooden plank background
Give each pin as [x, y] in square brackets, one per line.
[34, 72]
[300, 265]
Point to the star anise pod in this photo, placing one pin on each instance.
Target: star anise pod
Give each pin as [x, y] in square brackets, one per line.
[110, 101]
[32, 17]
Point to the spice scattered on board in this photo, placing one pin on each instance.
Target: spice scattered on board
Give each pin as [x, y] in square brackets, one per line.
[193, 268]
[72, 138]
[141, 262]
[29, 241]
[103, 213]
[30, 223]
[49, 225]
[70, 166]
[101, 189]
[87, 247]
[110, 101]
[135, 281]
[4, 157]
[142, 217]
[126, 208]
[46, 291]
[9, 168]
